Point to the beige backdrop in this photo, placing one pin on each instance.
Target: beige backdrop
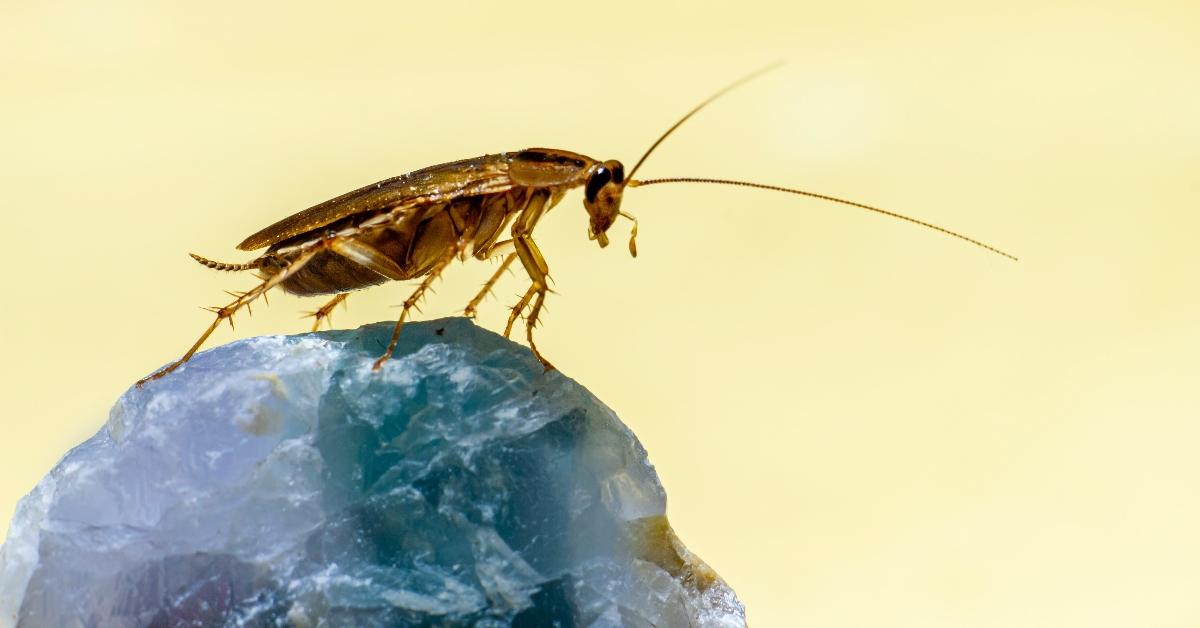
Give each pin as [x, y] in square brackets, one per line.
[859, 422]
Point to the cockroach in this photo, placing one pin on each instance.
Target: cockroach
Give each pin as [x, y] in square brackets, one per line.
[413, 225]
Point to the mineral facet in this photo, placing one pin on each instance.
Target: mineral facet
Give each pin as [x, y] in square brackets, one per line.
[279, 481]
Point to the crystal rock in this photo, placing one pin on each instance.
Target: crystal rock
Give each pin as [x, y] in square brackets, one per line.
[279, 481]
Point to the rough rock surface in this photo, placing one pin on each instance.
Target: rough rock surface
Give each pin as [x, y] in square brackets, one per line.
[278, 481]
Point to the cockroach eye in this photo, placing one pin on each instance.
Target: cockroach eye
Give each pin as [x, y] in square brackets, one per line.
[600, 178]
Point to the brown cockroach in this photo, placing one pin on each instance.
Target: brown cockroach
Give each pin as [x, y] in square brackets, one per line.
[413, 225]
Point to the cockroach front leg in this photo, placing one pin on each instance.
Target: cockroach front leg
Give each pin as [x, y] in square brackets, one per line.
[325, 312]
[535, 265]
[228, 311]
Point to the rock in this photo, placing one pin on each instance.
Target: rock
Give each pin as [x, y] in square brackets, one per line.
[279, 481]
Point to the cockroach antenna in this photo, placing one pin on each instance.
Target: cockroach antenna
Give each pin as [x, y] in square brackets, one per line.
[724, 90]
[824, 197]
[633, 183]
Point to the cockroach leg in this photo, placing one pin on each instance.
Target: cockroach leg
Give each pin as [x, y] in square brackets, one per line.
[535, 266]
[531, 322]
[369, 256]
[469, 311]
[362, 254]
[227, 312]
[325, 312]
[518, 308]
[411, 301]
[503, 247]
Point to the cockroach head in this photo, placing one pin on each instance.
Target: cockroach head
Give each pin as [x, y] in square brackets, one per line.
[602, 197]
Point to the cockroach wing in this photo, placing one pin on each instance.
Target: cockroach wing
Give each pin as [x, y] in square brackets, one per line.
[468, 177]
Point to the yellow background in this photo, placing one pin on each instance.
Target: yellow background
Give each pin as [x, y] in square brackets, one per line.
[859, 422]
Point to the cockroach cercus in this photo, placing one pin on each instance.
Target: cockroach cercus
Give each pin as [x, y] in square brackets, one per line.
[412, 226]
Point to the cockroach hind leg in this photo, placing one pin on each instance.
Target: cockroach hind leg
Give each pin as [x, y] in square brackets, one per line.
[228, 311]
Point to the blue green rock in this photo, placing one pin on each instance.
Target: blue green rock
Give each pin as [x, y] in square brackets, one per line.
[279, 481]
